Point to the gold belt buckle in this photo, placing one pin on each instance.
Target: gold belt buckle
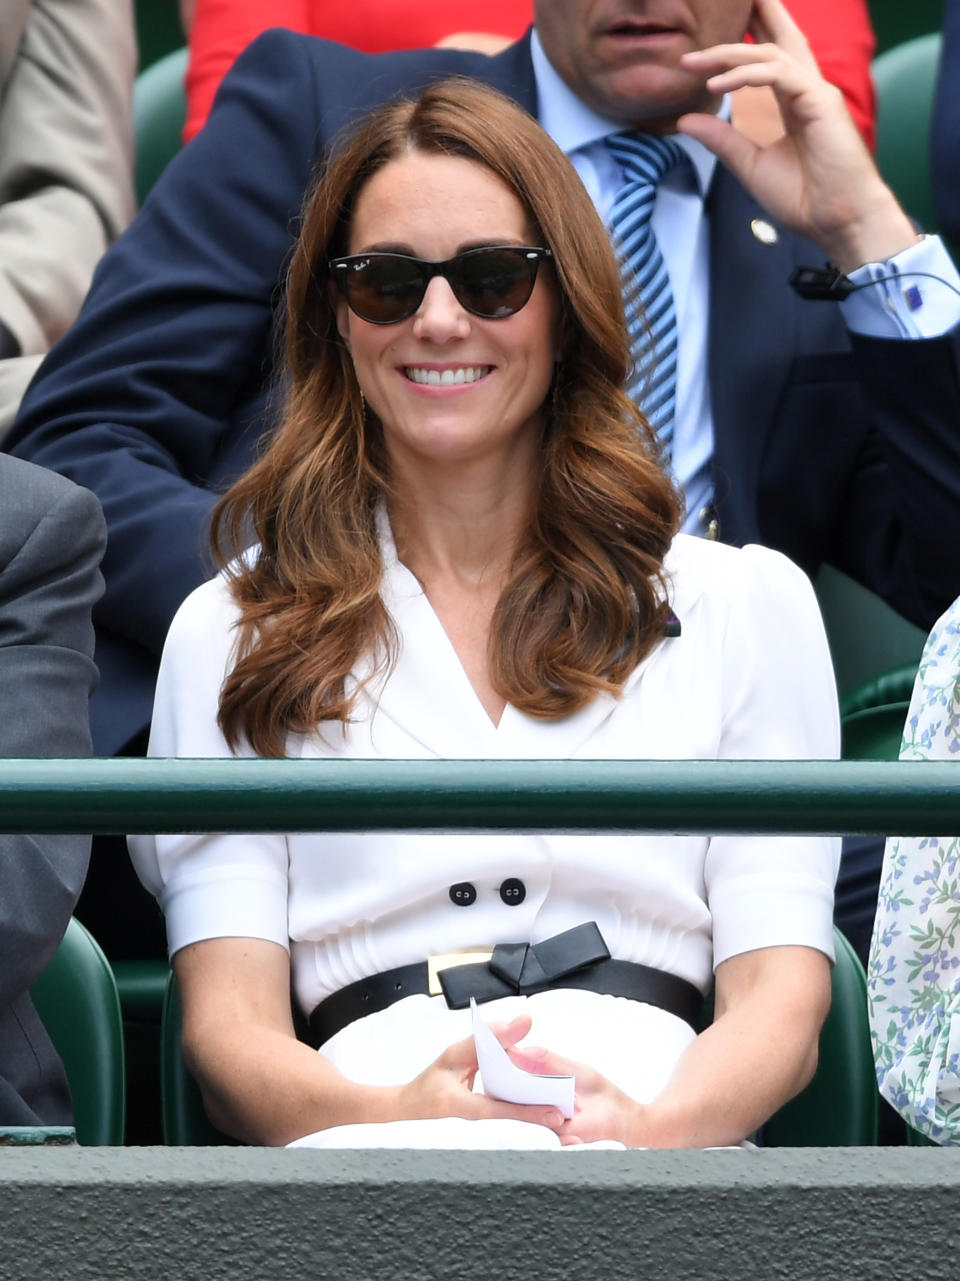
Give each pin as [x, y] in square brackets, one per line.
[447, 961]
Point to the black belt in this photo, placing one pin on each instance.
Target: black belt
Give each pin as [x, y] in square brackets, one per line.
[578, 958]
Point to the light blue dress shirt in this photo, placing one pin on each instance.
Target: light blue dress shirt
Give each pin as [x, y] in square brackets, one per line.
[905, 308]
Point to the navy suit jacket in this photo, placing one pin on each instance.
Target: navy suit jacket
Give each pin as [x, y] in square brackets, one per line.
[826, 447]
[945, 129]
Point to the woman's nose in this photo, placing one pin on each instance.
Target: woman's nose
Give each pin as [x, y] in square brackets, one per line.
[440, 316]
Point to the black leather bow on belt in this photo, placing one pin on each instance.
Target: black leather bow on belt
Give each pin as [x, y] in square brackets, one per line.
[518, 969]
[577, 958]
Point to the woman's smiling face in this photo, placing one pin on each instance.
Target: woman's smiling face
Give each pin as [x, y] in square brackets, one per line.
[450, 387]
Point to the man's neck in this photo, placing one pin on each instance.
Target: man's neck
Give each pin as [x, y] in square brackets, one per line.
[573, 125]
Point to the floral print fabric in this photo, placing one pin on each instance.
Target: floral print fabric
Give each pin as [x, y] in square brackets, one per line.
[914, 970]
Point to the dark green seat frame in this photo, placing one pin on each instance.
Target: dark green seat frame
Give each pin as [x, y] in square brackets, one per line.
[839, 1106]
[77, 1000]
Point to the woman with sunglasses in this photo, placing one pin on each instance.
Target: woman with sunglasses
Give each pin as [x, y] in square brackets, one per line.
[461, 543]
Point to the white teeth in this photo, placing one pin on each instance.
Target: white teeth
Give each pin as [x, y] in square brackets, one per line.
[446, 377]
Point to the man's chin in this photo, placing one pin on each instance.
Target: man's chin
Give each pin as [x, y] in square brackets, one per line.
[652, 98]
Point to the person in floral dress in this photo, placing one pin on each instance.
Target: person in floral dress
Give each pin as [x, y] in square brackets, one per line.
[914, 971]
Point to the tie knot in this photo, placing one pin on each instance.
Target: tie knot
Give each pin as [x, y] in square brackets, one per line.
[643, 157]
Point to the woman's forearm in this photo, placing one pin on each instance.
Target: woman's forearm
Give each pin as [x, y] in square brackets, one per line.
[760, 1051]
[758, 1054]
[260, 1084]
[731, 1080]
[263, 1086]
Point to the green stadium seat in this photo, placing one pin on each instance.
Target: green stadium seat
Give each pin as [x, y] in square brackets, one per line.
[77, 1000]
[839, 1106]
[905, 77]
[159, 110]
[866, 636]
[895, 21]
[874, 714]
[159, 30]
[185, 1122]
[142, 987]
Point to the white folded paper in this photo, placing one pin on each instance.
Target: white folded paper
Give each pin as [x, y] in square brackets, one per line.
[502, 1079]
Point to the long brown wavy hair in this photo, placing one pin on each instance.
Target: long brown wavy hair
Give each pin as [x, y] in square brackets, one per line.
[586, 598]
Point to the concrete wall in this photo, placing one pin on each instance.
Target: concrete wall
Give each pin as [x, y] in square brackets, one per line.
[246, 1213]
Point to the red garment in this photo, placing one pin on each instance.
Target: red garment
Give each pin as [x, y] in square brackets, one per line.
[222, 29]
[841, 36]
[839, 33]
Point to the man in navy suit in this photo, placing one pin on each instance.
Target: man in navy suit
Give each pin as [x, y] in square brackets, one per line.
[829, 431]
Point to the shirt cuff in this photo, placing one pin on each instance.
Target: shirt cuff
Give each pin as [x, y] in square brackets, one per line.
[905, 302]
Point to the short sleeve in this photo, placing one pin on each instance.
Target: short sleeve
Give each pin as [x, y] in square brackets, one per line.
[209, 886]
[779, 703]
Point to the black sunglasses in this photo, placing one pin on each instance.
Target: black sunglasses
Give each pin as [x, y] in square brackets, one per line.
[492, 282]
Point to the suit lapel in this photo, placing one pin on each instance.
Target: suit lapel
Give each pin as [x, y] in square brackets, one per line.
[512, 73]
[751, 345]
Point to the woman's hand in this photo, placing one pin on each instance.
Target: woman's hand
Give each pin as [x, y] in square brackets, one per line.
[760, 1051]
[445, 1088]
[262, 1085]
[601, 1109]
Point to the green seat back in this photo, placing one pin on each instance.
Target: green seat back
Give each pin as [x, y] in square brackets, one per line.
[874, 734]
[874, 714]
[159, 29]
[893, 686]
[905, 77]
[895, 21]
[839, 1106]
[142, 986]
[77, 1000]
[866, 636]
[159, 110]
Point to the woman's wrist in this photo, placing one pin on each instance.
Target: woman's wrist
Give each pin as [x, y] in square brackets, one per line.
[636, 1125]
[661, 1125]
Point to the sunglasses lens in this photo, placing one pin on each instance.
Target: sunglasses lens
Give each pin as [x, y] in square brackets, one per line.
[493, 282]
[384, 289]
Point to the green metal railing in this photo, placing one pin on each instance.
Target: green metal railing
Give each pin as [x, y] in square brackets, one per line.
[125, 795]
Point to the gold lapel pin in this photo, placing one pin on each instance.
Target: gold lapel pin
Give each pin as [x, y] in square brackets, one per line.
[764, 231]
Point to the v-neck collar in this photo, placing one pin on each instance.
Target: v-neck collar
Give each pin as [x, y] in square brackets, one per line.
[429, 695]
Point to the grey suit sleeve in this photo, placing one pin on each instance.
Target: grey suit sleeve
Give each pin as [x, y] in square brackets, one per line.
[66, 185]
[49, 581]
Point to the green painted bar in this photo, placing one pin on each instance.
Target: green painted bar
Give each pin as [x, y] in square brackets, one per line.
[126, 795]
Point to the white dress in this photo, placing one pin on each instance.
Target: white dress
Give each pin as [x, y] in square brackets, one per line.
[749, 677]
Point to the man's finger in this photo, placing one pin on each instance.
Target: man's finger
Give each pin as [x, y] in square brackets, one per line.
[771, 21]
[774, 20]
[727, 143]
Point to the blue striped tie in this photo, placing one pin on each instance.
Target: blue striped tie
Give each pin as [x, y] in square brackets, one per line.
[647, 294]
